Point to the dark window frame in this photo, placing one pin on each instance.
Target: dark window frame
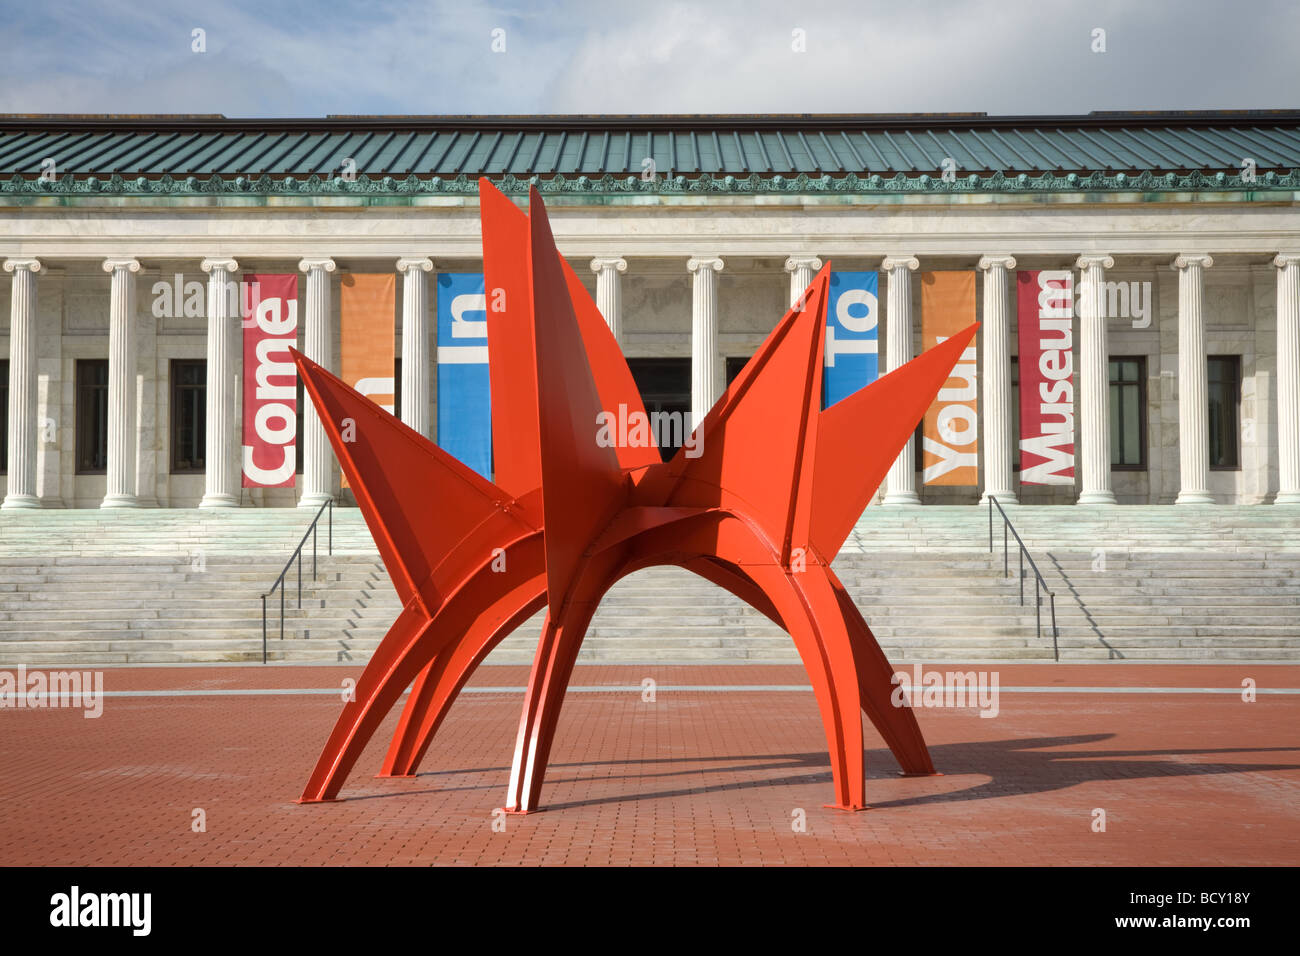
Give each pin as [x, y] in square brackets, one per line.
[182, 392]
[1234, 419]
[1143, 398]
[4, 416]
[91, 411]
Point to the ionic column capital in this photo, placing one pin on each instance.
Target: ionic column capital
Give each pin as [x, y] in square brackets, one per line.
[694, 264]
[18, 262]
[990, 262]
[1093, 259]
[409, 263]
[1280, 261]
[891, 263]
[617, 263]
[802, 262]
[113, 265]
[1195, 259]
[219, 263]
[307, 265]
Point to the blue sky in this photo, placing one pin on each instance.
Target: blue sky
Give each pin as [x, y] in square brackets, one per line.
[271, 58]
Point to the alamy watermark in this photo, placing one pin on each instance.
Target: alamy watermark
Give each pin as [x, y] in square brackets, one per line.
[978, 689]
[637, 429]
[38, 689]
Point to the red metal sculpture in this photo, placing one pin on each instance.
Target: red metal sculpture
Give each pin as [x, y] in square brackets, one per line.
[775, 488]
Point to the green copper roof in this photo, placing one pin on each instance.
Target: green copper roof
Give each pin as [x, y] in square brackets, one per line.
[863, 153]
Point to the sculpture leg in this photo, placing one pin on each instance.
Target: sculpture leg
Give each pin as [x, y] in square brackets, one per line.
[897, 725]
[807, 604]
[388, 673]
[552, 667]
[438, 685]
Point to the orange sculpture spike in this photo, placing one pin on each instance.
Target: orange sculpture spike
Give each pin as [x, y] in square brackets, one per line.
[761, 510]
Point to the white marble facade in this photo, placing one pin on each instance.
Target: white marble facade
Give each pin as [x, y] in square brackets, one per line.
[1242, 290]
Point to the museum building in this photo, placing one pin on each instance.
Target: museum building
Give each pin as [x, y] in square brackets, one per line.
[1161, 251]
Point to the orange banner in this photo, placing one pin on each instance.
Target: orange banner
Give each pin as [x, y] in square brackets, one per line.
[368, 327]
[950, 436]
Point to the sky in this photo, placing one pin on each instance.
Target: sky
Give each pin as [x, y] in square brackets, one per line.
[263, 58]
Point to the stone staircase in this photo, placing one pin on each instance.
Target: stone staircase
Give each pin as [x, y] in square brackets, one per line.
[1134, 583]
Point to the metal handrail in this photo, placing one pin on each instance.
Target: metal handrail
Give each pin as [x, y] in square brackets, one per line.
[1038, 576]
[328, 506]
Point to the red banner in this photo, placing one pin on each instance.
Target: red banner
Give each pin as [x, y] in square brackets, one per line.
[1044, 316]
[270, 381]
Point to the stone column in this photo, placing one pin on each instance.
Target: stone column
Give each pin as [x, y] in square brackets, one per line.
[23, 424]
[1094, 381]
[415, 342]
[121, 491]
[706, 376]
[1288, 378]
[801, 269]
[221, 480]
[609, 292]
[900, 484]
[1193, 392]
[317, 461]
[997, 380]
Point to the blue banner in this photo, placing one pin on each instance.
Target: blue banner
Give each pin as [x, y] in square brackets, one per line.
[852, 335]
[464, 389]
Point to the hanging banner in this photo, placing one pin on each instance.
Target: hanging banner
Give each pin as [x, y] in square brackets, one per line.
[950, 436]
[270, 424]
[852, 335]
[464, 390]
[1044, 317]
[367, 331]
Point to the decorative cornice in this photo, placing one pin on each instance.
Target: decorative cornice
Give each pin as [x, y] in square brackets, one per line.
[217, 262]
[423, 263]
[614, 185]
[989, 262]
[609, 262]
[704, 262]
[890, 263]
[1196, 259]
[20, 262]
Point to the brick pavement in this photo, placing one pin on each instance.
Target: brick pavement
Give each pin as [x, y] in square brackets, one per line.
[698, 777]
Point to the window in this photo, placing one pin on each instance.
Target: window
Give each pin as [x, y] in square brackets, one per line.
[1015, 413]
[735, 365]
[189, 415]
[297, 441]
[665, 387]
[397, 387]
[92, 416]
[1224, 379]
[1128, 413]
[4, 416]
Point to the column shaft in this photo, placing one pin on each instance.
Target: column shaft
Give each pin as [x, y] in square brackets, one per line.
[317, 458]
[1288, 379]
[900, 484]
[415, 343]
[122, 426]
[1094, 382]
[1193, 391]
[609, 292]
[997, 380]
[22, 385]
[221, 478]
[705, 373]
